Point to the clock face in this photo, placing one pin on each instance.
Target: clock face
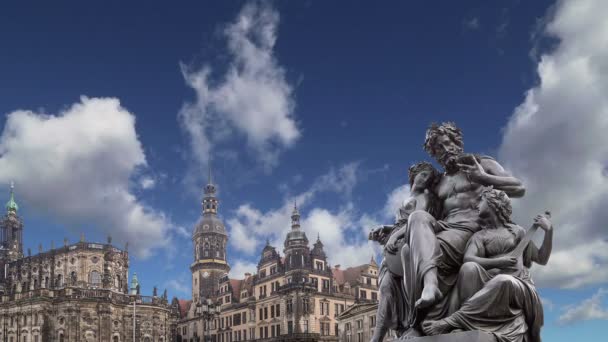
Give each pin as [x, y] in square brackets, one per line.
[205, 274]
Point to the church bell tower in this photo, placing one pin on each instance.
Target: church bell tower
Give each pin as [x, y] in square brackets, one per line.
[209, 240]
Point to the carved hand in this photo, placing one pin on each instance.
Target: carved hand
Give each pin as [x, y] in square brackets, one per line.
[543, 222]
[505, 261]
[475, 172]
[391, 245]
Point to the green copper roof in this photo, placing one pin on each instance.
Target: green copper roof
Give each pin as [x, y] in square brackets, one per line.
[11, 205]
[134, 281]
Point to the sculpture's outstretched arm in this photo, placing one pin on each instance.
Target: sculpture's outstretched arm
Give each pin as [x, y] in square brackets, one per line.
[541, 255]
[490, 173]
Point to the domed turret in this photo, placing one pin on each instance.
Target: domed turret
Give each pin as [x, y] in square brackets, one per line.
[209, 239]
[295, 237]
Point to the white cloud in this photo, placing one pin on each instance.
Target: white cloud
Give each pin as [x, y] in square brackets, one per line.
[589, 309]
[147, 182]
[76, 166]
[472, 23]
[179, 286]
[252, 98]
[240, 267]
[556, 142]
[249, 226]
[547, 304]
[340, 230]
[395, 201]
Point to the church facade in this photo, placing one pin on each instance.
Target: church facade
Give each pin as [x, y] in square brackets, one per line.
[75, 292]
[293, 296]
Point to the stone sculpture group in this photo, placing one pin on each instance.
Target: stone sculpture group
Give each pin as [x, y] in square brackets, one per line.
[454, 261]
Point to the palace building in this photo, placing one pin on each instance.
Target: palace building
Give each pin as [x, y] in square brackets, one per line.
[293, 296]
[75, 292]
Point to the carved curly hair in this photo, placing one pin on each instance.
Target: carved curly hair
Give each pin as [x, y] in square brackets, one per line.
[436, 130]
[415, 169]
[499, 202]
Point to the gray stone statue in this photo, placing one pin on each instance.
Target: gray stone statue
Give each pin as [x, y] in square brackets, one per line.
[436, 224]
[494, 292]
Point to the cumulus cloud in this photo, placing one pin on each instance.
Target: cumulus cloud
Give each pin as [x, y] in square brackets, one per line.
[589, 309]
[240, 267]
[556, 142]
[76, 168]
[147, 182]
[252, 98]
[249, 226]
[395, 201]
[343, 231]
[340, 230]
[179, 287]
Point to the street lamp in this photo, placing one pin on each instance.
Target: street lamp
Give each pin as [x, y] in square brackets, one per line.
[207, 309]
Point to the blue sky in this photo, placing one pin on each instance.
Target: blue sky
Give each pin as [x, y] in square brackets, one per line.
[113, 113]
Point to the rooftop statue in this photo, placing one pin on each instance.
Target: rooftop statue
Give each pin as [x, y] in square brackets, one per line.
[436, 231]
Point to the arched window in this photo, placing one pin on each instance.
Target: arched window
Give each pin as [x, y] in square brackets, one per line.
[95, 278]
[61, 337]
[73, 278]
[59, 280]
[46, 282]
[115, 339]
[146, 339]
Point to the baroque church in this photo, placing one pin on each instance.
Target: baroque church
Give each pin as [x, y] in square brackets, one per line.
[295, 295]
[74, 292]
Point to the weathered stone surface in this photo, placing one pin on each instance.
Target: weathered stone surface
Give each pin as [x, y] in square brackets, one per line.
[466, 336]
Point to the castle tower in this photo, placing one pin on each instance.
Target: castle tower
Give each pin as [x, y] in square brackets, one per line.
[297, 253]
[11, 229]
[209, 240]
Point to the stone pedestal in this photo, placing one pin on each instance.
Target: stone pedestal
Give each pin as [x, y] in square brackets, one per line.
[466, 336]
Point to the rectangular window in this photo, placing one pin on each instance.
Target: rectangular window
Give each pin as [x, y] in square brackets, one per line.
[243, 317]
[261, 332]
[266, 313]
[363, 294]
[336, 330]
[290, 327]
[265, 332]
[289, 306]
[277, 311]
[374, 296]
[278, 329]
[272, 311]
[272, 331]
[305, 325]
[261, 314]
[305, 305]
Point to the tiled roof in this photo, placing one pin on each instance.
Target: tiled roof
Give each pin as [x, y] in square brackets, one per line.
[184, 306]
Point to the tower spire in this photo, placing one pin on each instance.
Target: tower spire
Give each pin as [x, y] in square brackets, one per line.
[11, 205]
[295, 217]
[210, 202]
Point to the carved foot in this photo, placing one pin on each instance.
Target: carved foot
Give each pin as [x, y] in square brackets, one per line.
[439, 327]
[430, 295]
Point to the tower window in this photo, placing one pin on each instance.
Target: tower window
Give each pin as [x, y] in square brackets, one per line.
[95, 278]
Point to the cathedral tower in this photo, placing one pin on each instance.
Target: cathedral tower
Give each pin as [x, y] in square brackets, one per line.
[11, 229]
[209, 239]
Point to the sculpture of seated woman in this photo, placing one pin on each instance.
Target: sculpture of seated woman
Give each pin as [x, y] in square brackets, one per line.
[494, 286]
